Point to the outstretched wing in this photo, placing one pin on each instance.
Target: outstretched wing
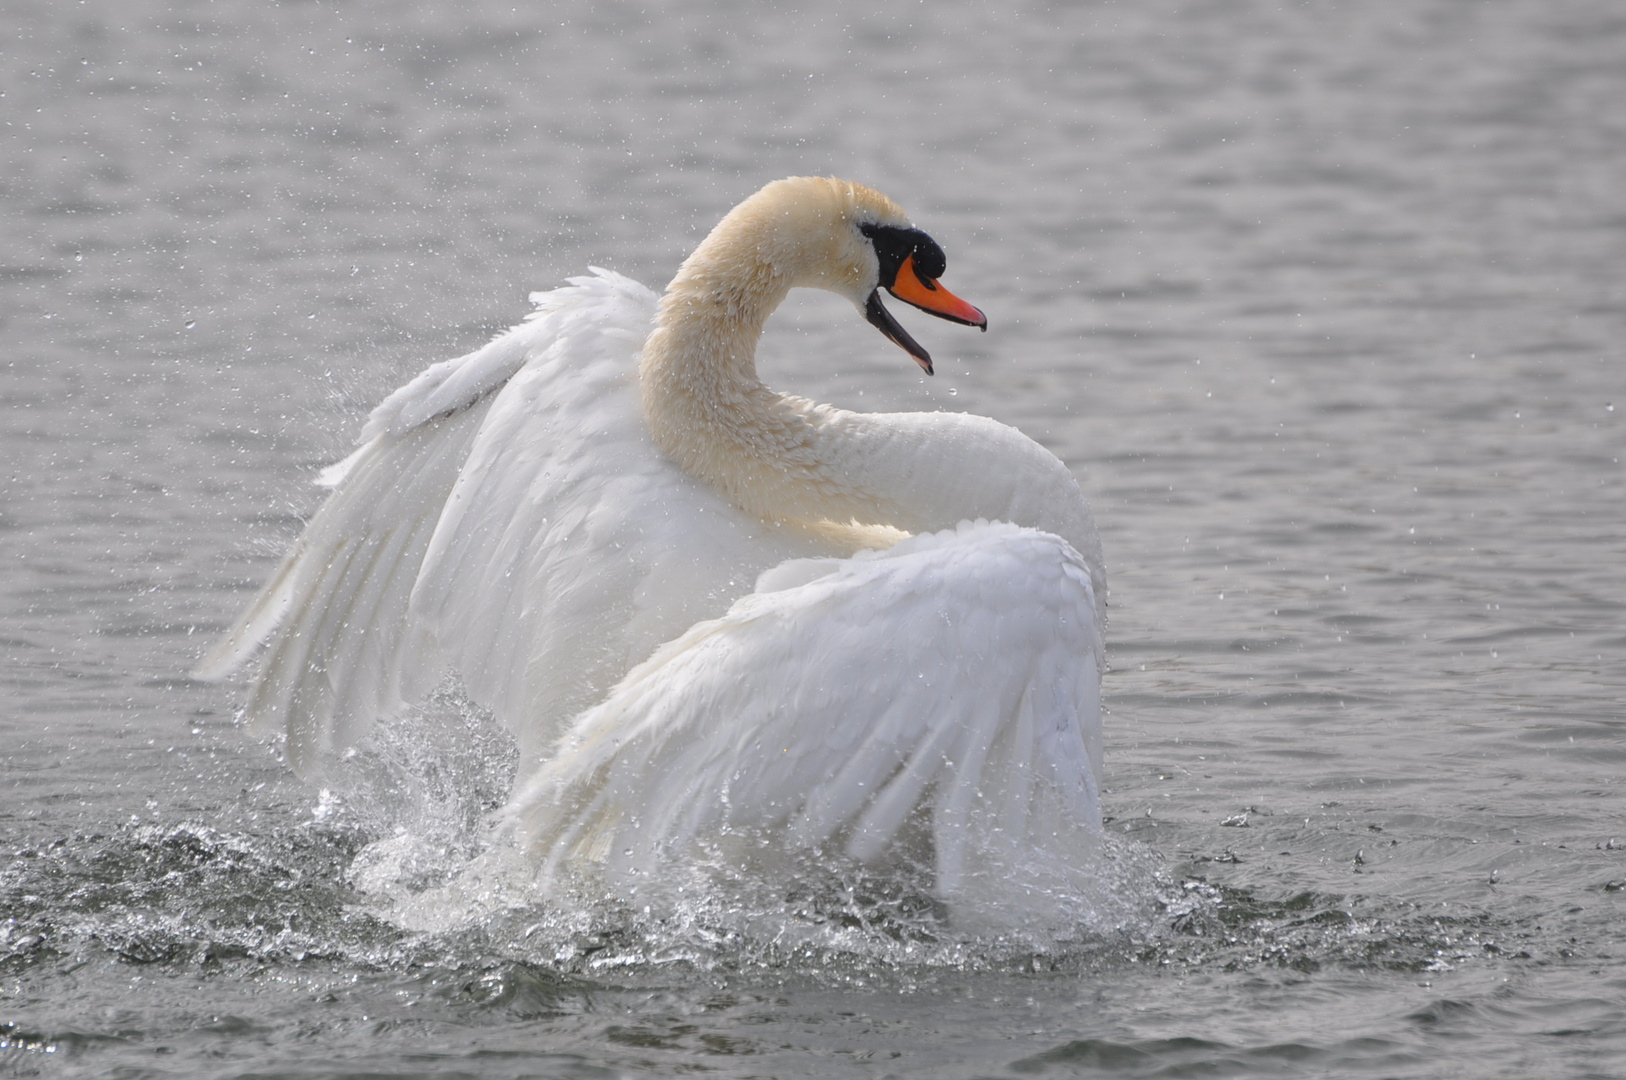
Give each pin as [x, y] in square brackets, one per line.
[343, 650]
[505, 515]
[571, 547]
[957, 671]
[344, 647]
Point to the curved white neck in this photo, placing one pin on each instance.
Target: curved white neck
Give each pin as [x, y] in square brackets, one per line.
[787, 459]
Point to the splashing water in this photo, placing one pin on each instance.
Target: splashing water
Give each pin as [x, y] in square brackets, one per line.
[428, 788]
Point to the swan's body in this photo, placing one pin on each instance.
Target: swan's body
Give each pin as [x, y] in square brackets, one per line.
[573, 519]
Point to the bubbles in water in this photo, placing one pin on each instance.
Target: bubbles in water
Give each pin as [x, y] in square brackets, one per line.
[425, 784]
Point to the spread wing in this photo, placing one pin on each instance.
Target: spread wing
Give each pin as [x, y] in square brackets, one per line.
[957, 671]
[505, 516]
[342, 647]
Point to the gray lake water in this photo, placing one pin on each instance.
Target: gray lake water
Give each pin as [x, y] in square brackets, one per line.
[1322, 302]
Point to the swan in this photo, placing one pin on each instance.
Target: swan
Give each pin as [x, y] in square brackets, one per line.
[703, 606]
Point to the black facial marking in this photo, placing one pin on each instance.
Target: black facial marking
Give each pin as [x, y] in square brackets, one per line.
[894, 244]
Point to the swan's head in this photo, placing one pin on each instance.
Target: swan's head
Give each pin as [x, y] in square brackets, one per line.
[824, 233]
[907, 265]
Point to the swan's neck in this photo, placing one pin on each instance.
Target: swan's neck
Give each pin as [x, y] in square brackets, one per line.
[709, 412]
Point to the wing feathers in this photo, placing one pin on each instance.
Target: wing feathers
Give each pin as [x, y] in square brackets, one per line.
[346, 645]
[342, 647]
[965, 671]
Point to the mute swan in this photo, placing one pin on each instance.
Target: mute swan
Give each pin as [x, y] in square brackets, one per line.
[702, 605]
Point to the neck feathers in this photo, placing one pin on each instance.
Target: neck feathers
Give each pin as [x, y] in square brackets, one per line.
[786, 459]
[704, 403]
[708, 411]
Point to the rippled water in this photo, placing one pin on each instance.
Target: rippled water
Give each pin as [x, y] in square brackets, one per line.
[1323, 303]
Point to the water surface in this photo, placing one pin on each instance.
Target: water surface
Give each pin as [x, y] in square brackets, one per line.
[1322, 303]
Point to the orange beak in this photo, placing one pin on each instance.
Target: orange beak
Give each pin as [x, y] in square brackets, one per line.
[913, 287]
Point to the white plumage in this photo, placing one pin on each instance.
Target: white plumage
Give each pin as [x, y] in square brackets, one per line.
[956, 672]
[687, 595]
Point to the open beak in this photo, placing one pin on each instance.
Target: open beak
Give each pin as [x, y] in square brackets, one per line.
[913, 287]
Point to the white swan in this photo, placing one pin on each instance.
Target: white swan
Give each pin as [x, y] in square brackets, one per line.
[701, 605]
